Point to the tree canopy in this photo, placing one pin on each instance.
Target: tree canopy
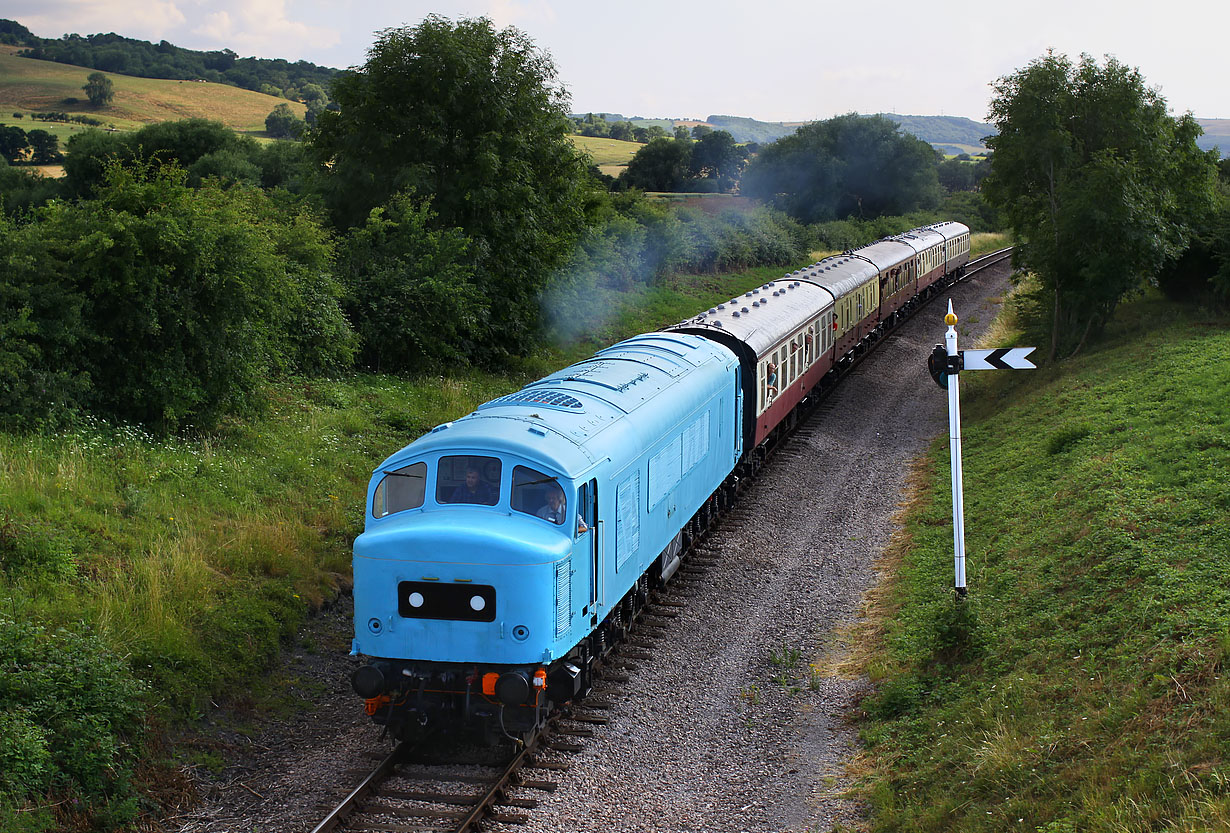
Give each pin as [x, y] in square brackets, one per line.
[474, 120]
[851, 165]
[1098, 182]
[662, 165]
[99, 89]
[162, 304]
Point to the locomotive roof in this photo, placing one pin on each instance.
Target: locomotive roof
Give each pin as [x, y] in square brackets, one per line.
[634, 387]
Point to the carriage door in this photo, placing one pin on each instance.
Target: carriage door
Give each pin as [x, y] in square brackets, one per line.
[587, 508]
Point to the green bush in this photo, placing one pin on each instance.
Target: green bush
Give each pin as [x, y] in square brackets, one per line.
[70, 720]
[411, 292]
[161, 304]
[25, 757]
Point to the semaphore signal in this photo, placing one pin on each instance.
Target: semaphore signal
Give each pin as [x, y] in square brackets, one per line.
[945, 364]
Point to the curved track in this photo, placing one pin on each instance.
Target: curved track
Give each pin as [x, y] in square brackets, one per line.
[375, 806]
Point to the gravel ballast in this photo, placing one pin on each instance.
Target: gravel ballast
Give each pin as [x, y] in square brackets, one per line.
[726, 728]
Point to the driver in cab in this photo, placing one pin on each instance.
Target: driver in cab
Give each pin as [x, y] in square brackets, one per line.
[474, 489]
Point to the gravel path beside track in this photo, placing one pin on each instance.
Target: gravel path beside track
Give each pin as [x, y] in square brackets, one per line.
[724, 729]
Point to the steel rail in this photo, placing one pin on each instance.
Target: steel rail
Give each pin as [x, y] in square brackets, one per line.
[348, 805]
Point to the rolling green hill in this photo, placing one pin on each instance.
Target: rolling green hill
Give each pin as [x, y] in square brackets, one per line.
[32, 86]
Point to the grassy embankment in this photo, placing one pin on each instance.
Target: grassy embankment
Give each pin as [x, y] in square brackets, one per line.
[1083, 685]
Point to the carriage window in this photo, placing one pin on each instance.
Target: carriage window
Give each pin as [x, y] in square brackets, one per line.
[401, 489]
[538, 494]
[468, 480]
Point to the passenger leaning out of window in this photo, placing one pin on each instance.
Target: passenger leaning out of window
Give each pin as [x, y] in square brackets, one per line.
[555, 511]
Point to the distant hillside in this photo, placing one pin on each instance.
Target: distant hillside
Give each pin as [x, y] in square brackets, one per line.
[142, 59]
[1216, 134]
[28, 85]
[750, 130]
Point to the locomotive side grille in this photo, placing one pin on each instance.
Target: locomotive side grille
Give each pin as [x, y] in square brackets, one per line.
[563, 596]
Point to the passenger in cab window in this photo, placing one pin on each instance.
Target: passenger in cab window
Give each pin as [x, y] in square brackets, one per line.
[555, 511]
[772, 380]
[475, 489]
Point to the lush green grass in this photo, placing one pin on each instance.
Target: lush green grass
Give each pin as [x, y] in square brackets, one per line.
[983, 242]
[27, 85]
[1082, 686]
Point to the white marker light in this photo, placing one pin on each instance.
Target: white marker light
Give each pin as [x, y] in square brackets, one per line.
[478, 602]
[416, 599]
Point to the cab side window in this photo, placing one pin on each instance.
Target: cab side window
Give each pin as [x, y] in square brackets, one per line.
[538, 494]
[401, 489]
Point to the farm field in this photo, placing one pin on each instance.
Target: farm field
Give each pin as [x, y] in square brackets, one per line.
[610, 155]
[28, 86]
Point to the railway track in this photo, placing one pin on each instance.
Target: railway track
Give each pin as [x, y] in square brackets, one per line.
[406, 793]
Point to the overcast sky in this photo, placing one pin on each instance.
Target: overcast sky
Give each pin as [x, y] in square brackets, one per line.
[773, 60]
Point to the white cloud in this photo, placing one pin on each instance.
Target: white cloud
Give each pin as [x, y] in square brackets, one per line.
[263, 28]
[152, 20]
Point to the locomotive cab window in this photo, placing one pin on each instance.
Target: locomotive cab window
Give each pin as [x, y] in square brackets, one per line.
[538, 494]
[468, 479]
[400, 489]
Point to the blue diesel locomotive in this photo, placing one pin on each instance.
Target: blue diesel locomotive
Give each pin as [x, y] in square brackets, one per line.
[503, 553]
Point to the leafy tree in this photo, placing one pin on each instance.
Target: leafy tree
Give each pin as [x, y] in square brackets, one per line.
[44, 147]
[473, 120]
[662, 165]
[851, 165]
[88, 153]
[411, 292]
[700, 131]
[99, 89]
[645, 135]
[716, 156]
[682, 134]
[1098, 182]
[13, 143]
[313, 94]
[22, 190]
[282, 123]
[622, 130]
[186, 142]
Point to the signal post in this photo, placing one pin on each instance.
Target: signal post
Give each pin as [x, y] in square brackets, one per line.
[945, 365]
